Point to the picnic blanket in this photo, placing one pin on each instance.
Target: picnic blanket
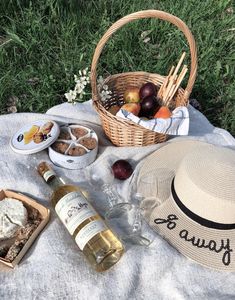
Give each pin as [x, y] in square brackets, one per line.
[54, 268]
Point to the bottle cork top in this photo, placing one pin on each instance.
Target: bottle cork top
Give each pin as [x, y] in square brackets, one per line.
[45, 171]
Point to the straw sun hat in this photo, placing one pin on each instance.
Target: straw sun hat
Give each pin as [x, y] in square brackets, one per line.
[189, 199]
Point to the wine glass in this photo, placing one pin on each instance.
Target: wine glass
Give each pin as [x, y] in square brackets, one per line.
[124, 217]
[152, 189]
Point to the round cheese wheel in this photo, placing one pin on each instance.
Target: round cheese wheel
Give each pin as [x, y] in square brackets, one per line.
[13, 215]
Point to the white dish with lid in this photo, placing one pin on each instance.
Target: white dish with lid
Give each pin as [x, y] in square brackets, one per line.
[78, 144]
[35, 136]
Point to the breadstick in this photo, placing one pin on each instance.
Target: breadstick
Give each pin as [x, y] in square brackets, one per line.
[179, 63]
[162, 88]
[181, 77]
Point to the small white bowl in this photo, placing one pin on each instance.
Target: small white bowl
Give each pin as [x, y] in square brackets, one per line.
[74, 162]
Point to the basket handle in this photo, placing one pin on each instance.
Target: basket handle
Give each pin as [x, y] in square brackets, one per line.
[141, 15]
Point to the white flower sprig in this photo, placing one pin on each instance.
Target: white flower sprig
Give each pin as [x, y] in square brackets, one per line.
[81, 81]
[105, 93]
[76, 95]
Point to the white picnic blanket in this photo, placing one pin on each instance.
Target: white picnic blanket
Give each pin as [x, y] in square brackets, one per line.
[54, 268]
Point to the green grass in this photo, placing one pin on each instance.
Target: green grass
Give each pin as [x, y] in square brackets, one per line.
[43, 43]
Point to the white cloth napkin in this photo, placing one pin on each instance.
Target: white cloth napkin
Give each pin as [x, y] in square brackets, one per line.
[177, 124]
[54, 268]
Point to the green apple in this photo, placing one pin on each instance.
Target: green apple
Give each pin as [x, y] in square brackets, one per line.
[131, 95]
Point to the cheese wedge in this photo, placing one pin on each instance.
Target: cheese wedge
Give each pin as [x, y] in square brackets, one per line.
[13, 215]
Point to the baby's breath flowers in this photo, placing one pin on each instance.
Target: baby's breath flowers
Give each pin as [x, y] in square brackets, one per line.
[105, 93]
[81, 82]
[71, 96]
[76, 95]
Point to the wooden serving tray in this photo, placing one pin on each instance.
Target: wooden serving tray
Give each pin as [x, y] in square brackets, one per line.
[45, 214]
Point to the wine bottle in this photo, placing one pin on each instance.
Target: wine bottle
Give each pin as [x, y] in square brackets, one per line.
[98, 243]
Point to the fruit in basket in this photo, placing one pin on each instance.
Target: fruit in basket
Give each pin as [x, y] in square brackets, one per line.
[132, 95]
[122, 169]
[114, 109]
[149, 106]
[132, 108]
[163, 113]
[147, 90]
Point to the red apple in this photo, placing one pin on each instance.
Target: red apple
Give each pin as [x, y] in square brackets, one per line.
[132, 107]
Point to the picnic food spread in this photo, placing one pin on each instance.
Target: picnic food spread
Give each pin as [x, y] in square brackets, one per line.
[74, 146]
[142, 97]
[71, 146]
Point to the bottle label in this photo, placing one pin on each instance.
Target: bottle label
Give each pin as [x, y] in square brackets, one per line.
[48, 174]
[73, 209]
[88, 232]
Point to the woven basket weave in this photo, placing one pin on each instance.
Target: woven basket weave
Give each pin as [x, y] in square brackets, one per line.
[120, 131]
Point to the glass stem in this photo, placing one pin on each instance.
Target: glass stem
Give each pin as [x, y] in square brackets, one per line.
[112, 195]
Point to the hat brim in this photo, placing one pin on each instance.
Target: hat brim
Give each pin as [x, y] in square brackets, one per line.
[209, 247]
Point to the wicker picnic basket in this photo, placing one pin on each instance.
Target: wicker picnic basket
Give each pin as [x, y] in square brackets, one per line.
[120, 131]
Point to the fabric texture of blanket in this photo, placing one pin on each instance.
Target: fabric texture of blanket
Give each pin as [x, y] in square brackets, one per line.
[54, 268]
